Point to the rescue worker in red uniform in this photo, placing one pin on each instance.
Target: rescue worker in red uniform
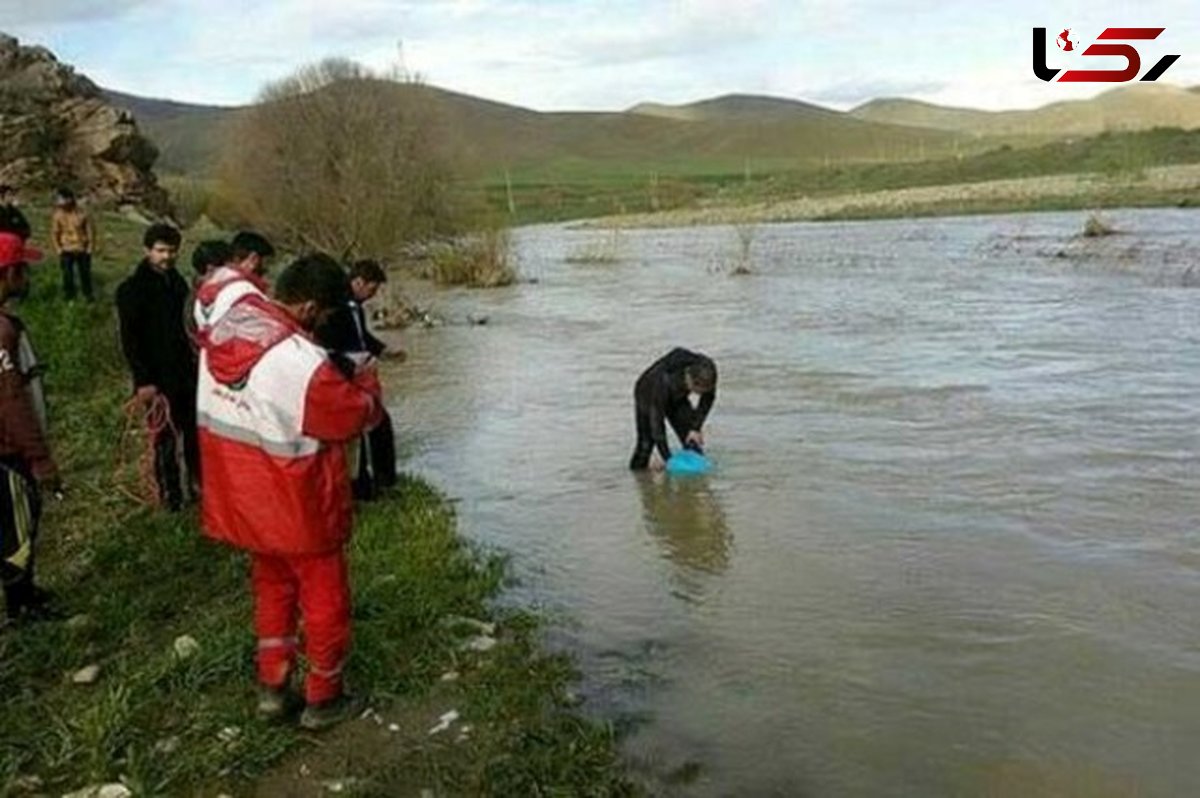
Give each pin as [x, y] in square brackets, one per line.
[274, 416]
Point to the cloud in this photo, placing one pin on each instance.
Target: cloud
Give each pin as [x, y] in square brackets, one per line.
[22, 13]
[584, 54]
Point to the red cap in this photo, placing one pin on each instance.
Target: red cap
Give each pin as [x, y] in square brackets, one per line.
[14, 251]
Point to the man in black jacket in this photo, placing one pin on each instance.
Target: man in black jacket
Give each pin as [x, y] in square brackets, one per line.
[11, 218]
[351, 344]
[150, 306]
[662, 394]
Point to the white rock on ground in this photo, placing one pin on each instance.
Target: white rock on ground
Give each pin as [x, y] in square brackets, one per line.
[186, 646]
[480, 643]
[444, 722]
[339, 785]
[28, 783]
[114, 790]
[88, 675]
[482, 627]
[167, 745]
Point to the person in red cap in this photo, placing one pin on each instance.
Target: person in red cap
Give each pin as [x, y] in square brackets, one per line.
[27, 468]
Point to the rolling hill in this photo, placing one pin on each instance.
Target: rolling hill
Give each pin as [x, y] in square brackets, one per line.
[745, 107]
[189, 137]
[721, 134]
[1138, 107]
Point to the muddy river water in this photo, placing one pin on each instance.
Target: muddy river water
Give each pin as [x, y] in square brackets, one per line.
[951, 543]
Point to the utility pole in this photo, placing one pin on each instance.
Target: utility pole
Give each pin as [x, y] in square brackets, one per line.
[512, 204]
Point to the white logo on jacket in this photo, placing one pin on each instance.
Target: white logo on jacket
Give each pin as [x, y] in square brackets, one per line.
[267, 410]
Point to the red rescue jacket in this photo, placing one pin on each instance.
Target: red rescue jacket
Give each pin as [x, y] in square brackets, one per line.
[274, 415]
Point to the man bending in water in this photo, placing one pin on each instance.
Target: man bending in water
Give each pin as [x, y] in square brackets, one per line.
[662, 393]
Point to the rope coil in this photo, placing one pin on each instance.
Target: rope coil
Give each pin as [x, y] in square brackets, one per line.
[151, 419]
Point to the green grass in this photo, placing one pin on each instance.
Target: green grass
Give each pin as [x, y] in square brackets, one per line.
[136, 579]
[603, 249]
[1103, 198]
[542, 195]
[479, 260]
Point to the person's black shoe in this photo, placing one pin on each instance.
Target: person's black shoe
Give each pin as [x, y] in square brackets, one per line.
[34, 606]
[324, 714]
[42, 613]
[276, 703]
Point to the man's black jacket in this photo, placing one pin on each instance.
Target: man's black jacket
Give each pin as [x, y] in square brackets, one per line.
[150, 306]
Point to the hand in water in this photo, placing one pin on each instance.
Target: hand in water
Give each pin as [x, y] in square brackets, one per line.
[695, 438]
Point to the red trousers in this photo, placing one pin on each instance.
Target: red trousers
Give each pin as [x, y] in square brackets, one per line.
[318, 588]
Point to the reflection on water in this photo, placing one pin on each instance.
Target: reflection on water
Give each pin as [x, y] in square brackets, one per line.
[685, 517]
[950, 545]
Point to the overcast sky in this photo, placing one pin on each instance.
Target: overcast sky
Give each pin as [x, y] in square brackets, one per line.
[603, 54]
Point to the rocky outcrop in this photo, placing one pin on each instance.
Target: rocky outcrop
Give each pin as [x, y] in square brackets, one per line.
[56, 129]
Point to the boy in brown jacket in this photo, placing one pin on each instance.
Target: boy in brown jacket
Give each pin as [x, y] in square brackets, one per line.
[74, 237]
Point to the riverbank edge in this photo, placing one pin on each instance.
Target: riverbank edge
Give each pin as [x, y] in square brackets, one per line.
[148, 680]
[1168, 186]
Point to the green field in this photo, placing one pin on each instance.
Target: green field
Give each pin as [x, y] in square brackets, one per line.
[573, 193]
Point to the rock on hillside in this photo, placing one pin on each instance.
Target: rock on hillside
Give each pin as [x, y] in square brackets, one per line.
[56, 129]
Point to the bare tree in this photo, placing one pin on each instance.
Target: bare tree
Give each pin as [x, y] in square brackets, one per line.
[340, 159]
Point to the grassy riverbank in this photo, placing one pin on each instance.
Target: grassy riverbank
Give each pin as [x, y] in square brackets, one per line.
[1112, 169]
[134, 583]
[1160, 186]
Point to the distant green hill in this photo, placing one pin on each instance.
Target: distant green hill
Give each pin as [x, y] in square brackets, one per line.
[1138, 107]
[738, 107]
[189, 137]
[725, 134]
[562, 165]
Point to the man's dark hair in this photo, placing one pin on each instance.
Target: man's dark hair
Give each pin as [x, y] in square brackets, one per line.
[66, 194]
[211, 253]
[247, 243]
[317, 277]
[161, 234]
[703, 375]
[369, 271]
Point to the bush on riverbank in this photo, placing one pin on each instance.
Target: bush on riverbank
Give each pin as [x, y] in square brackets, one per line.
[481, 260]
